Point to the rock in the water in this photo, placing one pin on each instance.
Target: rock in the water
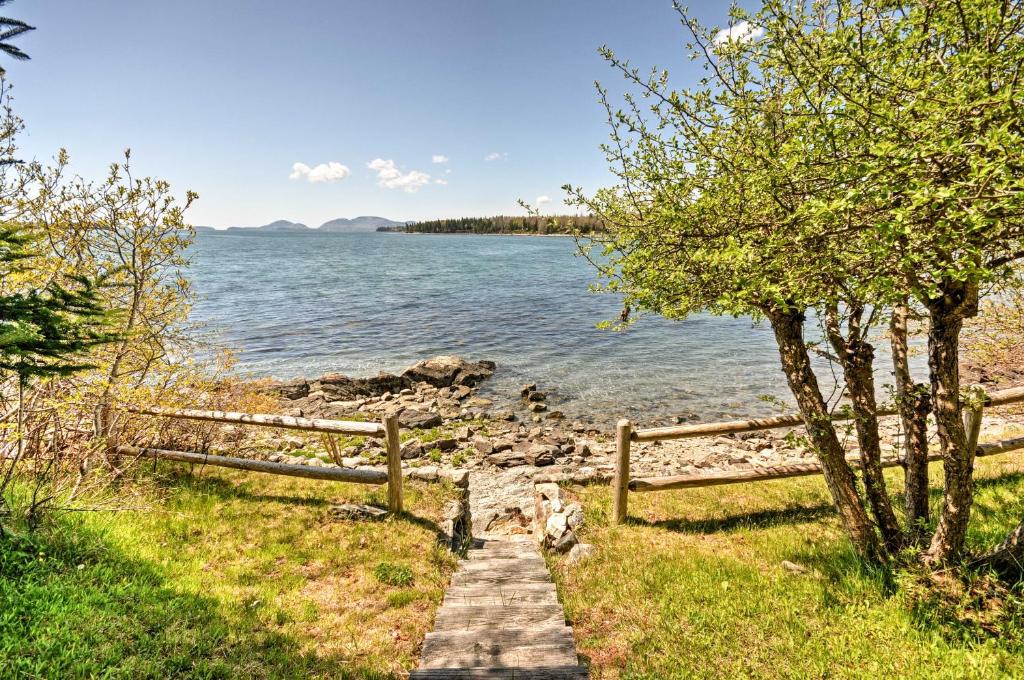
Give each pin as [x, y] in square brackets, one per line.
[411, 418]
[538, 406]
[357, 511]
[445, 371]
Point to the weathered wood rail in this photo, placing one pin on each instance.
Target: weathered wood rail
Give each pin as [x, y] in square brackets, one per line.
[622, 483]
[386, 429]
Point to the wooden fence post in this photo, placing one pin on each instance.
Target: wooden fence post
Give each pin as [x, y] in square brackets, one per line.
[972, 416]
[621, 489]
[394, 449]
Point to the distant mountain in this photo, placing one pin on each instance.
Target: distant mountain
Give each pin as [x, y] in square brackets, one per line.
[341, 225]
[362, 223]
[279, 225]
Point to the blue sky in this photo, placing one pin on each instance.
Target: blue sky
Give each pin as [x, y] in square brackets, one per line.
[224, 97]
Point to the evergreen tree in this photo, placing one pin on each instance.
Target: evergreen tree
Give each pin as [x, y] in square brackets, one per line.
[46, 331]
[11, 28]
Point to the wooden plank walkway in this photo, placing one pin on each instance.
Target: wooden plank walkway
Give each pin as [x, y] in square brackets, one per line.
[501, 620]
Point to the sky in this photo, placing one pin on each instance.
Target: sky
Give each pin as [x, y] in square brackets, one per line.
[315, 109]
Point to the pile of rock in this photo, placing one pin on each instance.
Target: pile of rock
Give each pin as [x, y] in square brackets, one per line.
[432, 390]
[536, 403]
[556, 522]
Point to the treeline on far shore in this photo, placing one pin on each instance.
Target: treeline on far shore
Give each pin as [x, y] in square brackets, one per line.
[505, 224]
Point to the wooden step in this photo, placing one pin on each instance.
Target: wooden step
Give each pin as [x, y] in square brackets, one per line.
[497, 566]
[502, 549]
[473, 640]
[539, 673]
[497, 656]
[491, 578]
[483, 617]
[501, 620]
[490, 595]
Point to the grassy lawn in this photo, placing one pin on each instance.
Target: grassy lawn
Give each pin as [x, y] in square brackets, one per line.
[228, 574]
[693, 586]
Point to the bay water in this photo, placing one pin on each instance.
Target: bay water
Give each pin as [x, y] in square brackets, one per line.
[307, 304]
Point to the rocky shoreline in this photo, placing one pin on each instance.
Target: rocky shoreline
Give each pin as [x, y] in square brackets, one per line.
[450, 431]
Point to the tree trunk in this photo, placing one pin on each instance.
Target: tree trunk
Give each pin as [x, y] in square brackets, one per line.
[788, 328]
[857, 359]
[914, 405]
[947, 315]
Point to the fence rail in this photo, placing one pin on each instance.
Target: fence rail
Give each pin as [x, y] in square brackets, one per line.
[1000, 398]
[387, 429]
[307, 471]
[622, 483]
[349, 427]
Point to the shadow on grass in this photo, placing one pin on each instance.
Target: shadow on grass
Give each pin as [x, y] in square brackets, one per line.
[761, 519]
[74, 606]
[226, 489]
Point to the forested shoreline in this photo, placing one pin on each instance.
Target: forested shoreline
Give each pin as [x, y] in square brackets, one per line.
[504, 224]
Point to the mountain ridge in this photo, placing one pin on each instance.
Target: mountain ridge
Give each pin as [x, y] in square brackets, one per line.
[338, 225]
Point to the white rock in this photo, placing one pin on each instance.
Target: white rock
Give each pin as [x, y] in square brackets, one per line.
[556, 525]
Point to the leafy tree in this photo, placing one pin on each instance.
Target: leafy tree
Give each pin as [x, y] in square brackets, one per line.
[838, 161]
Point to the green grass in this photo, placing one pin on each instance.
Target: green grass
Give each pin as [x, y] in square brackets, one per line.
[693, 586]
[227, 575]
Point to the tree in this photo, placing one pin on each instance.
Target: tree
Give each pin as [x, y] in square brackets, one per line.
[936, 87]
[9, 29]
[840, 160]
[43, 332]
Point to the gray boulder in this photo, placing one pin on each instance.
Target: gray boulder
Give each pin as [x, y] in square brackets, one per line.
[447, 370]
[411, 418]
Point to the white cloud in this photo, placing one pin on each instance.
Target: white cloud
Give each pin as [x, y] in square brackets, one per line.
[439, 158]
[440, 181]
[390, 177]
[325, 172]
[494, 155]
[541, 200]
[741, 32]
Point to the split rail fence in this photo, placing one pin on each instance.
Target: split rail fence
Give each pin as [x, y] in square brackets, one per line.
[622, 483]
[387, 429]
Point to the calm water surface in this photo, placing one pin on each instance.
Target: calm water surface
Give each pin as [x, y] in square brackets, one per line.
[303, 305]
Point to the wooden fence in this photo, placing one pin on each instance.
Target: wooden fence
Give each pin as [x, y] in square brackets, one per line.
[622, 483]
[386, 429]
